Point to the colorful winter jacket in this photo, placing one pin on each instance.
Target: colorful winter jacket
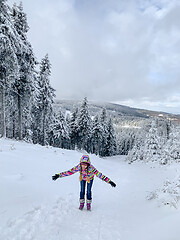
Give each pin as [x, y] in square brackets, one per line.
[92, 171]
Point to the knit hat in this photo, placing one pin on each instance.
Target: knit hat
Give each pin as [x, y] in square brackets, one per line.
[85, 159]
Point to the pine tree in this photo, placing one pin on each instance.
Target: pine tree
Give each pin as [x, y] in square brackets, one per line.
[84, 127]
[153, 143]
[96, 137]
[152, 149]
[20, 20]
[9, 45]
[111, 139]
[24, 85]
[45, 99]
[73, 129]
[36, 113]
[136, 153]
[103, 122]
[171, 150]
[59, 130]
[126, 140]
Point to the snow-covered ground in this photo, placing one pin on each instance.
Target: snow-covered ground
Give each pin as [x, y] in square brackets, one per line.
[33, 207]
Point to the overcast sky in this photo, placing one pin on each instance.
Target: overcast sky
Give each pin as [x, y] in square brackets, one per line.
[123, 51]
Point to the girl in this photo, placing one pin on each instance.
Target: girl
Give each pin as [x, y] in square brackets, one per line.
[87, 172]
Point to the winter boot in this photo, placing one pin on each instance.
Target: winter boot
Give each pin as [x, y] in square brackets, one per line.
[81, 204]
[89, 205]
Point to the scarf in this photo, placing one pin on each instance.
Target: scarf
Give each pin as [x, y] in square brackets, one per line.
[80, 177]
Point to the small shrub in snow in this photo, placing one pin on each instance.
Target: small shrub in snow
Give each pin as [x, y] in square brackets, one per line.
[169, 194]
[12, 147]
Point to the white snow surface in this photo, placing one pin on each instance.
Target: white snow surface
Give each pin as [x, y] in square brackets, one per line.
[33, 207]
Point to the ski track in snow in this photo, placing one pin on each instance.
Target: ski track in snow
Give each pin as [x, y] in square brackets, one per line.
[33, 207]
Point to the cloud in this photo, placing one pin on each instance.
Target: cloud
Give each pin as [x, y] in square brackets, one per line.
[109, 50]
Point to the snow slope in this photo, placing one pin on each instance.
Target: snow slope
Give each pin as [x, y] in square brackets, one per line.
[33, 207]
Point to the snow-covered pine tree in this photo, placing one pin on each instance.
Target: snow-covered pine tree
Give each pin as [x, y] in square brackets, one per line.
[67, 120]
[9, 45]
[59, 130]
[174, 146]
[84, 123]
[126, 138]
[36, 111]
[111, 139]
[20, 20]
[73, 128]
[96, 137]
[45, 100]
[136, 153]
[24, 85]
[156, 140]
[103, 122]
[171, 150]
[153, 148]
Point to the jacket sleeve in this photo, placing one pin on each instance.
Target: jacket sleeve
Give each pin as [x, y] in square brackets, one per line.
[100, 175]
[69, 172]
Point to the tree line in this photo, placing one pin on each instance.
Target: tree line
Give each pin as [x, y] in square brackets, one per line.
[159, 143]
[27, 109]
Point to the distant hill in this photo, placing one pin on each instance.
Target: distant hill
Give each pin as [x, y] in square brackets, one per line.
[115, 110]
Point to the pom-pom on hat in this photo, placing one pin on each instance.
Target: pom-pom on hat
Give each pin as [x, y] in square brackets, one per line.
[85, 159]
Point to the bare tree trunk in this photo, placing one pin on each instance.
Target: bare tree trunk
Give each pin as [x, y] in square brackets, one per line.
[44, 131]
[13, 126]
[19, 116]
[3, 115]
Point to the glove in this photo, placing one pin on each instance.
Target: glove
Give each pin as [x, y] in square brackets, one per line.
[55, 177]
[112, 184]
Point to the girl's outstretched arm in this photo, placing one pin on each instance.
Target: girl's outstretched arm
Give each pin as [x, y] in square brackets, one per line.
[66, 173]
[103, 177]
